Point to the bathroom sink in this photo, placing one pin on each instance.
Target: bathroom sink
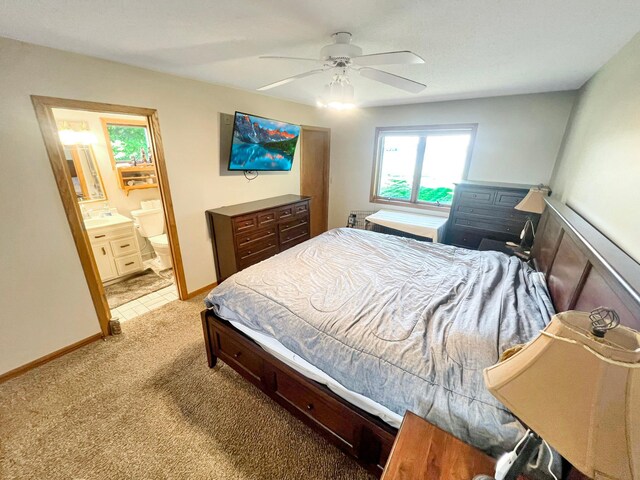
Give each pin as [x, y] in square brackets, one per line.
[114, 219]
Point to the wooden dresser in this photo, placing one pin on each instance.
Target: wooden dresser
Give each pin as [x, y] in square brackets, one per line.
[485, 210]
[248, 233]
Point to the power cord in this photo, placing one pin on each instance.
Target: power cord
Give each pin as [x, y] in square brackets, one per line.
[247, 174]
[550, 460]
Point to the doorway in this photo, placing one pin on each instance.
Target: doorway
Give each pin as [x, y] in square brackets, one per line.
[109, 166]
[314, 174]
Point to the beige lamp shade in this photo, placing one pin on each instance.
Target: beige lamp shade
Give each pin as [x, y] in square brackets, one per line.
[579, 393]
[533, 202]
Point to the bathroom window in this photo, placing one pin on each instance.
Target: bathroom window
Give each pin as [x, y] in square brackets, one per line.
[127, 141]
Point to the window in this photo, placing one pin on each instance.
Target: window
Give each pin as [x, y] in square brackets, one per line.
[128, 140]
[420, 165]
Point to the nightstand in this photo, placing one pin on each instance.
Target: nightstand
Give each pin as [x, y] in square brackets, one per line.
[422, 451]
[487, 244]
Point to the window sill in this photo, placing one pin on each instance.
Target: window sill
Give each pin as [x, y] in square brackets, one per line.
[444, 209]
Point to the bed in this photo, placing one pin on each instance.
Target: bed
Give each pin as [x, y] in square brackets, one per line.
[311, 327]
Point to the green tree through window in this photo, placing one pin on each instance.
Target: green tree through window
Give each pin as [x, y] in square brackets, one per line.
[128, 140]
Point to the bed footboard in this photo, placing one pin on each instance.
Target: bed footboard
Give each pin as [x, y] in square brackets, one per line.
[359, 434]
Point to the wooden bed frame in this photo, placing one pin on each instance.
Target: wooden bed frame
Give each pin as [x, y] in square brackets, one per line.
[584, 270]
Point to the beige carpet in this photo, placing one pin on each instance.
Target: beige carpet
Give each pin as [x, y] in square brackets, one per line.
[144, 405]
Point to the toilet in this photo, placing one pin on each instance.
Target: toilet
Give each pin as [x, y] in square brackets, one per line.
[149, 220]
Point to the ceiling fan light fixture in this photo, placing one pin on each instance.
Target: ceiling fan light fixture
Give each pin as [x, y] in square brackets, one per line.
[339, 94]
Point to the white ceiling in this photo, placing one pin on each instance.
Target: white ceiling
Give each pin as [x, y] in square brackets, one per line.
[472, 48]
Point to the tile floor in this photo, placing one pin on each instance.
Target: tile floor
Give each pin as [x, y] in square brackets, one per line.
[145, 304]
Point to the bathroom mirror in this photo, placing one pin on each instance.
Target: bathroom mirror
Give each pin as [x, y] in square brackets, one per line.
[85, 175]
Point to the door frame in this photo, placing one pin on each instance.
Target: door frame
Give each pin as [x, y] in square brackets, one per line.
[44, 113]
[327, 168]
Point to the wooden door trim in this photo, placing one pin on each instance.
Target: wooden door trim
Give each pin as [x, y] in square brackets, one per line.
[326, 172]
[43, 107]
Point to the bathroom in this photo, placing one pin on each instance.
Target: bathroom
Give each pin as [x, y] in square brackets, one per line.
[114, 176]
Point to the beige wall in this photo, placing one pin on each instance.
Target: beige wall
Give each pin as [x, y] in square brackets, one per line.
[598, 172]
[517, 142]
[44, 298]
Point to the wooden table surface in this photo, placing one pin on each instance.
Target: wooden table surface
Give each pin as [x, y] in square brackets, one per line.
[424, 452]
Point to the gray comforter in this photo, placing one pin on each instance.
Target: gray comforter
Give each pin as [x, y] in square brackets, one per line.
[408, 324]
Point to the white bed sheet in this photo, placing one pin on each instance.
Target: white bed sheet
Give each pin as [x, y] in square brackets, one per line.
[300, 365]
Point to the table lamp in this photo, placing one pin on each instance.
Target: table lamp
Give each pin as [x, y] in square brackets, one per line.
[533, 202]
[579, 390]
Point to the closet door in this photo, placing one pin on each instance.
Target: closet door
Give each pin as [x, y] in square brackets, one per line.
[314, 174]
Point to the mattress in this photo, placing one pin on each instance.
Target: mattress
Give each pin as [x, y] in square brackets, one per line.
[407, 325]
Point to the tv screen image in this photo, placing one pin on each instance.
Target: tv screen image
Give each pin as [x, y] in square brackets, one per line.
[262, 144]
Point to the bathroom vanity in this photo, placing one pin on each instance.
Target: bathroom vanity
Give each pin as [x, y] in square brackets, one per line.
[115, 246]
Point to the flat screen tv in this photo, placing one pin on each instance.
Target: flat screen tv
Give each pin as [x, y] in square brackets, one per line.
[262, 144]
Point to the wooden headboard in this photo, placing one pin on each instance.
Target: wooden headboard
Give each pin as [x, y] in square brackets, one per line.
[583, 268]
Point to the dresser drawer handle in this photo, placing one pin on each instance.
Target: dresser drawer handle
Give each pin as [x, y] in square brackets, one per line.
[471, 210]
[309, 406]
[104, 252]
[237, 354]
[130, 263]
[247, 239]
[99, 236]
[125, 246]
[247, 223]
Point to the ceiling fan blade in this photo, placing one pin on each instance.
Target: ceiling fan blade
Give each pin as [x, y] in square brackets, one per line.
[284, 81]
[393, 80]
[389, 58]
[276, 57]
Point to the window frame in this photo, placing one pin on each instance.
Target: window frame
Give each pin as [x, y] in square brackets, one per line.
[423, 131]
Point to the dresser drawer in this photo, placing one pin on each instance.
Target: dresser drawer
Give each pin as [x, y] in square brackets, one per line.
[328, 412]
[267, 218]
[256, 247]
[470, 211]
[251, 238]
[474, 197]
[246, 223]
[508, 199]
[488, 226]
[123, 246]
[236, 353]
[296, 222]
[301, 208]
[463, 238]
[253, 254]
[293, 236]
[285, 212]
[128, 264]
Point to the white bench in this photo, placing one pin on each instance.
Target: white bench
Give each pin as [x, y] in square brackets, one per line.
[429, 226]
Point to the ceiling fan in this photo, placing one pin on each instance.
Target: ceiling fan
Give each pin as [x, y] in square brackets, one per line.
[343, 56]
